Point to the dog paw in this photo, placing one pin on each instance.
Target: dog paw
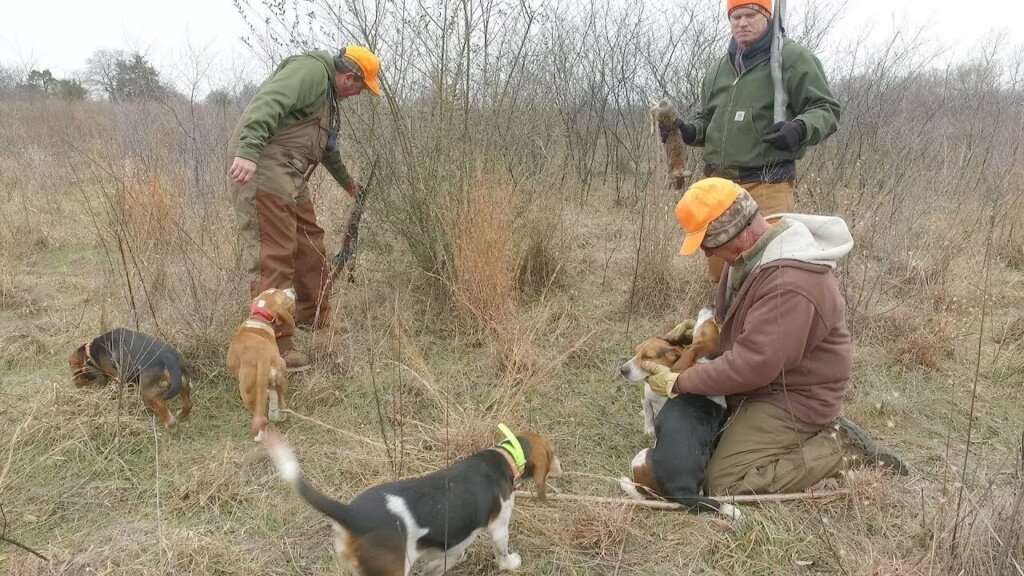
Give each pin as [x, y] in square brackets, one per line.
[259, 437]
[649, 430]
[277, 416]
[511, 562]
[730, 511]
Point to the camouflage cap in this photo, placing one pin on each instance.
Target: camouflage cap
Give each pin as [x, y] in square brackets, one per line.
[712, 212]
[732, 221]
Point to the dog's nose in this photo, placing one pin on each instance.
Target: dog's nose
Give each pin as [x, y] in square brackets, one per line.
[624, 369]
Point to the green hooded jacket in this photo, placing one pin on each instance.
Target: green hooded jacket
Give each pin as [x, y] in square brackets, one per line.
[294, 91]
[737, 109]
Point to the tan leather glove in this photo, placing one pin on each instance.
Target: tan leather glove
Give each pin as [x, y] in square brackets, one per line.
[683, 330]
[661, 378]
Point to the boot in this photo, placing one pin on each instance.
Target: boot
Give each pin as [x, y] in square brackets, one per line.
[296, 361]
[863, 446]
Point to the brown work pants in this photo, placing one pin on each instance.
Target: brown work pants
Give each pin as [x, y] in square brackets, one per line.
[283, 246]
[765, 450]
[771, 199]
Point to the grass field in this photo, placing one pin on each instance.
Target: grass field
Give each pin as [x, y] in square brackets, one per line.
[537, 293]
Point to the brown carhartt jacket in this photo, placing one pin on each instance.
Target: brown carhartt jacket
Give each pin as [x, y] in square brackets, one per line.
[784, 338]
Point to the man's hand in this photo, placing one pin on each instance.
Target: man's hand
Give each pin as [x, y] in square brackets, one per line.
[242, 170]
[683, 332]
[352, 189]
[661, 378]
[689, 131]
[785, 136]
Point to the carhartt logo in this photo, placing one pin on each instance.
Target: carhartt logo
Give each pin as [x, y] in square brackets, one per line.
[740, 116]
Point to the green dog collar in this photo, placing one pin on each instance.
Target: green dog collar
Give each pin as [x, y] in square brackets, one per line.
[511, 445]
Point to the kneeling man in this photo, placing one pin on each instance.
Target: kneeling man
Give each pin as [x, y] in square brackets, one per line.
[785, 353]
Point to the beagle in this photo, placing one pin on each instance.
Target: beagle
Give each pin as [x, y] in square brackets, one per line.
[686, 427]
[679, 349]
[386, 529]
[253, 357]
[137, 358]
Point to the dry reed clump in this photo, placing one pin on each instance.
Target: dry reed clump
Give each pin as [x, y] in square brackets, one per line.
[911, 337]
[920, 271]
[600, 531]
[469, 429]
[930, 343]
[1009, 248]
[27, 239]
[543, 251]
[151, 209]
[15, 295]
[989, 535]
[484, 286]
[21, 347]
[1011, 332]
[658, 281]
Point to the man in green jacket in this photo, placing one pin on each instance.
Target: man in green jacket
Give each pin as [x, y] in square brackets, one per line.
[735, 124]
[289, 127]
[784, 356]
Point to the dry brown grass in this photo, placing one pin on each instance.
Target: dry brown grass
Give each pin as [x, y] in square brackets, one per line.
[545, 297]
[482, 235]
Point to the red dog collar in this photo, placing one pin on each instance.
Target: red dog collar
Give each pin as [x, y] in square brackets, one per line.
[261, 312]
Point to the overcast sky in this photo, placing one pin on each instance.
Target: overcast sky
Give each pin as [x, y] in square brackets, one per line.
[61, 34]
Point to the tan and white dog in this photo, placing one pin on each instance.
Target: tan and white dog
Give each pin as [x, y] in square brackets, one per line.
[387, 529]
[253, 357]
[679, 349]
[685, 426]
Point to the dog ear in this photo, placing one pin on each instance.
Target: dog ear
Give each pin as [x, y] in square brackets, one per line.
[283, 317]
[77, 362]
[686, 359]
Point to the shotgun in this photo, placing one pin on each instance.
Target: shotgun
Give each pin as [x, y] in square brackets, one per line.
[348, 242]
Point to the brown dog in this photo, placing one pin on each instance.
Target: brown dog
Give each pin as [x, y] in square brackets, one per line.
[136, 358]
[254, 360]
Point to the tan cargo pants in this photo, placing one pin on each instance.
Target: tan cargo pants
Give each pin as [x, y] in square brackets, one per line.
[771, 199]
[764, 450]
[281, 243]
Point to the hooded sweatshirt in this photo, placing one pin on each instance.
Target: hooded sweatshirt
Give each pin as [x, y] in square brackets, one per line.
[784, 338]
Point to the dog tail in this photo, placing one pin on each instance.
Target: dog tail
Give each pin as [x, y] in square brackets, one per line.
[176, 375]
[697, 504]
[288, 467]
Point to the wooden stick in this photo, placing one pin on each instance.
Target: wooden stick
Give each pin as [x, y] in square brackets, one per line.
[662, 505]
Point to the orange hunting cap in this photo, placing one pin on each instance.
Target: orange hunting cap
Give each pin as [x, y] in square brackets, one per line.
[712, 212]
[368, 64]
[761, 5]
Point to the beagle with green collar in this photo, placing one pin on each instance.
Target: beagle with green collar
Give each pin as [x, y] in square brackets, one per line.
[385, 530]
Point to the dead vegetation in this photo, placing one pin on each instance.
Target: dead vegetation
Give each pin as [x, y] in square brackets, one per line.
[509, 262]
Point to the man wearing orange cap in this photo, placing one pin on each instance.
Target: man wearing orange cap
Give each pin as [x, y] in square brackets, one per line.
[785, 354]
[735, 123]
[289, 127]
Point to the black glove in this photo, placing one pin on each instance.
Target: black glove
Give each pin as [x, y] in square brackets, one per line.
[689, 131]
[785, 136]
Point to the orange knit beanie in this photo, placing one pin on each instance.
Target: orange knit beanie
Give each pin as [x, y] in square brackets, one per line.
[762, 5]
